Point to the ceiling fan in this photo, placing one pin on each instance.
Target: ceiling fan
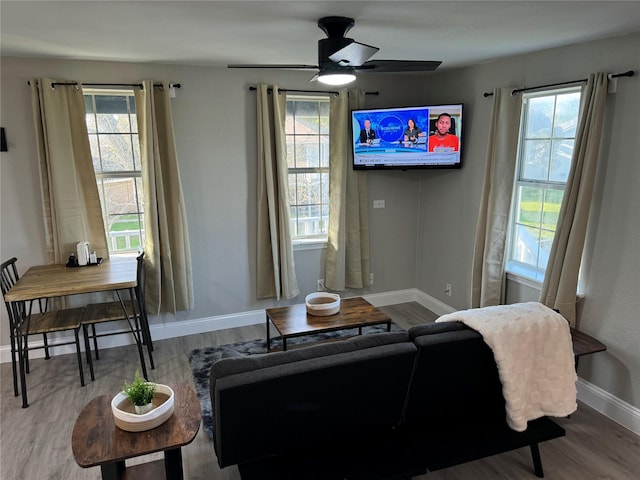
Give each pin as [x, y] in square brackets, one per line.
[340, 57]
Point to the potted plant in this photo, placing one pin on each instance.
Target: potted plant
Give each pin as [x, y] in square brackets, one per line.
[140, 393]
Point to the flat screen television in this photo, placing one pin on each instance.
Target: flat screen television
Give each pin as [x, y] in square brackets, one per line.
[407, 137]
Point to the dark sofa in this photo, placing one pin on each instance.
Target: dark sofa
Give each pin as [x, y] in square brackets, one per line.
[388, 405]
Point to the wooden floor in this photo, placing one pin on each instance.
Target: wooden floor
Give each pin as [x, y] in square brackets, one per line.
[35, 443]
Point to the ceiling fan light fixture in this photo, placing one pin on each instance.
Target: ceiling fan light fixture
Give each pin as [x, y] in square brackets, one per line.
[336, 78]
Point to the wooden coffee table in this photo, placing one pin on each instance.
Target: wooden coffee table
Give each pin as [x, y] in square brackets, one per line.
[96, 441]
[294, 321]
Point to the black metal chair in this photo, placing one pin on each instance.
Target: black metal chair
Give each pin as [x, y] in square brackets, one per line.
[24, 322]
[136, 317]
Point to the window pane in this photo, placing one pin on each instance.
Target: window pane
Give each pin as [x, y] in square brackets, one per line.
[120, 195]
[536, 159]
[540, 117]
[113, 123]
[307, 117]
[124, 232]
[95, 152]
[551, 209]
[324, 178]
[526, 245]
[529, 206]
[116, 152]
[91, 122]
[324, 151]
[292, 189]
[324, 118]
[307, 151]
[140, 195]
[308, 189]
[291, 152]
[567, 110]
[111, 104]
[561, 153]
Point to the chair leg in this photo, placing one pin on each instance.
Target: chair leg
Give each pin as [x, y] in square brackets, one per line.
[146, 339]
[95, 340]
[45, 340]
[87, 348]
[23, 377]
[537, 462]
[79, 354]
[14, 366]
[25, 354]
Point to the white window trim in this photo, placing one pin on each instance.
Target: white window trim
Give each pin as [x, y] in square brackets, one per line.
[517, 271]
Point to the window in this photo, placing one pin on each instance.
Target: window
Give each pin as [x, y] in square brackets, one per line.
[547, 136]
[307, 137]
[115, 150]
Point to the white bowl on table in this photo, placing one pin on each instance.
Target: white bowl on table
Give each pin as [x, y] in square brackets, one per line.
[322, 304]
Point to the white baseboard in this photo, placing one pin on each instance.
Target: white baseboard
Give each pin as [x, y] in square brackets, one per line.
[612, 407]
[593, 396]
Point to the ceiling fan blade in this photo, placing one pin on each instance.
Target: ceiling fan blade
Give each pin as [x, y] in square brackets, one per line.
[399, 66]
[353, 55]
[286, 67]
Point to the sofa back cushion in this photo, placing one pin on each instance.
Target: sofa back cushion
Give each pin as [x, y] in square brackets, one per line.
[292, 401]
[455, 382]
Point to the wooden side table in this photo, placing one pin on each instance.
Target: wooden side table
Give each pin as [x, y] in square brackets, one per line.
[96, 441]
[584, 344]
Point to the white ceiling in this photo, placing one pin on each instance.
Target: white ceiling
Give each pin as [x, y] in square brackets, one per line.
[273, 32]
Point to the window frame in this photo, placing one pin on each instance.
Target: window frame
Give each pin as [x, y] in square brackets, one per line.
[309, 242]
[514, 268]
[134, 174]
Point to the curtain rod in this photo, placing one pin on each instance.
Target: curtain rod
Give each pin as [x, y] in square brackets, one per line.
[54, 84]
[311, 91]
[629, 73]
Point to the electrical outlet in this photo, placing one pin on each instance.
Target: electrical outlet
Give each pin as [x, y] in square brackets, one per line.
[320, 285]
[378, 204]
[448, 290]
[371, 278]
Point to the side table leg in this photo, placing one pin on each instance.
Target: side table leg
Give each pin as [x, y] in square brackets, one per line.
[112, 471]
[268, 336]
[173, 464]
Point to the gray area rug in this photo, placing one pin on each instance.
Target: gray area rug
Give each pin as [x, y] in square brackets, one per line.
[201, 360]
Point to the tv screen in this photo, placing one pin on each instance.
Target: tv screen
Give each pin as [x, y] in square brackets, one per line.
[407, 137]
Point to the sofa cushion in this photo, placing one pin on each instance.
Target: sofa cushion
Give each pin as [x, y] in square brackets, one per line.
[233, 362]
[455, 381]
[435, 328]
[284, 405]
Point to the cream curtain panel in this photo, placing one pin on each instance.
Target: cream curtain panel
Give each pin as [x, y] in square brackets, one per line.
[493, 219]
[70, 201]
[561, 279]
[347, 263]
[276, 276]
[168, 284]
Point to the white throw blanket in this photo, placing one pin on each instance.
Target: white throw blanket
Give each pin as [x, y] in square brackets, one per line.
[532, 347]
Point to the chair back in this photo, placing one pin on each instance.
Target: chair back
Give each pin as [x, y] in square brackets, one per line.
[9, 277]
[9, 274]
[140, 282]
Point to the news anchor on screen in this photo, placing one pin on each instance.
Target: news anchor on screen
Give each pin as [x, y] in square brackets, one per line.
[367, 134]
[442, 140]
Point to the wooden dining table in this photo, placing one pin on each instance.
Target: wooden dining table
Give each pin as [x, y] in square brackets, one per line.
[49, 281]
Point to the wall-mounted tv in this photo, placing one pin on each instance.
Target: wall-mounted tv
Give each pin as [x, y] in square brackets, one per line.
[407, 137]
